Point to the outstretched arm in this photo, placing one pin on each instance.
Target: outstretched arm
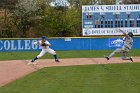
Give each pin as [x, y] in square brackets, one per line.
[48, 44]
[36, 43]
[123, 32]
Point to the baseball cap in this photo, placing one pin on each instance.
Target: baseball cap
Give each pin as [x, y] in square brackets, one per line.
[43, 37]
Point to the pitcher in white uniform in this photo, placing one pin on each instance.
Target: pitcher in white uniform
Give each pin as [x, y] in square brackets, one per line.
[45, 45]
[128, 42]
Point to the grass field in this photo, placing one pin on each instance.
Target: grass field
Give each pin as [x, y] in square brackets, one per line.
[112, 78]
[61, 54]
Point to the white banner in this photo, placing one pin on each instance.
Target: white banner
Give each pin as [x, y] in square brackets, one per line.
[111, 8]
[109, 31]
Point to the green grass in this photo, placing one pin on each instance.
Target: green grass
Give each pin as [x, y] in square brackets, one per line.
[111, 78]
[61, 54]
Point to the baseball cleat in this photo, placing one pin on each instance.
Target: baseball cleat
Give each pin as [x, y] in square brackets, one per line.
[107, 57]
[131, 58]
[57, 60]
[32, 61]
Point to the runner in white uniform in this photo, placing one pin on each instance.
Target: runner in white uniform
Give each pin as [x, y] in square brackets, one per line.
[128, 42]
[45, 45]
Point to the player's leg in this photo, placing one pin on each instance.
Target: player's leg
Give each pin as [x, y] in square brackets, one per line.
[118, 50]
[124, 56]
[51, 51]
[39, 56]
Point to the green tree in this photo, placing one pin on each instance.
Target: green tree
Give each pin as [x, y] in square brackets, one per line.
[25, 16]
[63, 21]
[6, 6]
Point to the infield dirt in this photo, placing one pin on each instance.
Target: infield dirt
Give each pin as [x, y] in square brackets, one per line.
[14, 69]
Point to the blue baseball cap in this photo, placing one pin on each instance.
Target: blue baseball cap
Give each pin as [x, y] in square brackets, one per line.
[43, 37]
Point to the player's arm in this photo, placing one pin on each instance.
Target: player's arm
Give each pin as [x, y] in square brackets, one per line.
[123, 32]
[47, 43]
[36, 43]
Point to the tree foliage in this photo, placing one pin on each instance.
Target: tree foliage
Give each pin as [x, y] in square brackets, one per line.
[9, 4]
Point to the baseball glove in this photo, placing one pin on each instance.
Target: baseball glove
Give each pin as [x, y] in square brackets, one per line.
[43, 44]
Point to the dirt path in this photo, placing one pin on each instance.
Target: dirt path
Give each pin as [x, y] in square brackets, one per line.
[15, 69]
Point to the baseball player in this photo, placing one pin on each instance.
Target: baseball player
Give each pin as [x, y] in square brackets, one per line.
[128, 42]
[45, 45]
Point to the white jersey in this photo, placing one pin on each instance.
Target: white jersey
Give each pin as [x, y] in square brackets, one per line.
[43, 47]
[128, 42]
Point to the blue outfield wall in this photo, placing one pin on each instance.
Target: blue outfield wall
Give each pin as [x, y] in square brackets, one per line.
[65, 44]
